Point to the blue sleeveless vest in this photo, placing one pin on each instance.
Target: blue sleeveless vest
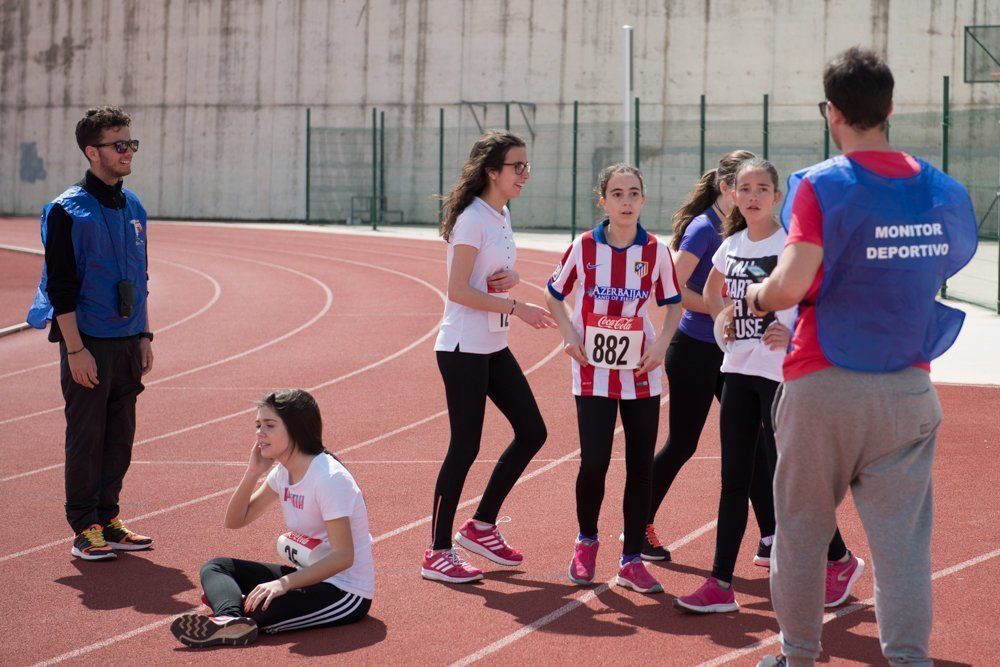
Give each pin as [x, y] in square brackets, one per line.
[109, 245]
[888, 245]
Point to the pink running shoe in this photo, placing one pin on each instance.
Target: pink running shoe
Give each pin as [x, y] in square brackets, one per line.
[709, 599]
[581, 568]
[448, 566]
[634, 575]
[488, 543]
[840, 578]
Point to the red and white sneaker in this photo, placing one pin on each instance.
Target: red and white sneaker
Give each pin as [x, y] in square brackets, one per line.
[584, 562]
[446, 565]
[711, 598]
[634, 575]
[488, 543]
[840, 578]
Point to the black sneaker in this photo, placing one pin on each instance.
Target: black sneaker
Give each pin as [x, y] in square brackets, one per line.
[89, 544]
[119, 537]
[763, 557]
[199, 631]
[652, 548]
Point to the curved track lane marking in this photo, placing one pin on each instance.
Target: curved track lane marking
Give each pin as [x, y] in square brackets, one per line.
[239, 355]
[217, 292]
[844, 611]
[245, 411]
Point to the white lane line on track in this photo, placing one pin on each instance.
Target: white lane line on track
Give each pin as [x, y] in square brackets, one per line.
[844, 611]
[575, 603]
[239, 355]
[217, 292]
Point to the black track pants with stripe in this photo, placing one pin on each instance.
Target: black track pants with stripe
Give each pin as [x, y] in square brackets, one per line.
[227, 580]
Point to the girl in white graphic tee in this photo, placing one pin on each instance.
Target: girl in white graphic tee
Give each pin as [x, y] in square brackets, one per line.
[330, 575]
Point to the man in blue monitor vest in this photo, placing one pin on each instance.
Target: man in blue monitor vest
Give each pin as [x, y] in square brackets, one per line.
[93, 289]
[872, 235]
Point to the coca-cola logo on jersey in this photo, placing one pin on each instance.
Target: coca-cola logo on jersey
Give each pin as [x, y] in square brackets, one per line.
[615, 323]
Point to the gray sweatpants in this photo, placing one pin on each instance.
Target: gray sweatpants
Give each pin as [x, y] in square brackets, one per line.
[874, 433]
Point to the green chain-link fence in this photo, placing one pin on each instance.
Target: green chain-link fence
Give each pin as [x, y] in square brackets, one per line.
[390, 171]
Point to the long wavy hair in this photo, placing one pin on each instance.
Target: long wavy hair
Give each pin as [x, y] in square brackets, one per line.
[487, 154]
[735, 221]
[706, 191]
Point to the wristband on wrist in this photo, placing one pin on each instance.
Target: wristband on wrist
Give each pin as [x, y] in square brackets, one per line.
[512, 307]
[756, 302]
[82, 348]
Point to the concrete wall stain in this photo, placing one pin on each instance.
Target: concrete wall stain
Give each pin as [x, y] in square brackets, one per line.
[32, 166]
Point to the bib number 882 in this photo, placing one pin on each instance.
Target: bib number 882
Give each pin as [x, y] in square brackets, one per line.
[610, 349]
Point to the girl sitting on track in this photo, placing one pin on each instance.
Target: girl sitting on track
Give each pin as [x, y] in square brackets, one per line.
[693, 359]
[752, 364]
[473, 356]
[334, 578]
[616, 358]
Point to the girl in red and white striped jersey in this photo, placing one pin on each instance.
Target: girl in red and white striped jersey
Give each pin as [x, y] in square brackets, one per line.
[619, 268]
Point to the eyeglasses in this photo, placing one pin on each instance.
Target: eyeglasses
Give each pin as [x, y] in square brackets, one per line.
[122, 145]
[519, 167]
[822, 108]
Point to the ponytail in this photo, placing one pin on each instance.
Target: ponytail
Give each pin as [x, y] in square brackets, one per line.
[706, 191]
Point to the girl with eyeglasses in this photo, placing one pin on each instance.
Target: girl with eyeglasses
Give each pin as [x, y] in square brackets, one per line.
[473, 357]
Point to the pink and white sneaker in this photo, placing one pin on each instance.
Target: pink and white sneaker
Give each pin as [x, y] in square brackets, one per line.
[840, 578]
[634, 575]
[584, 563]
[488, 543]
[446, 565]
[711, 598]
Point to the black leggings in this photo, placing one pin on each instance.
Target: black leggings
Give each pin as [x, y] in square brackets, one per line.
[746, 406]
[227, 580]
[468, 380]
[596, 417]
[693, 377]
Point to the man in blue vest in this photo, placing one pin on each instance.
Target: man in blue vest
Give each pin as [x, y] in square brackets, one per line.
[93, 289]
[872, 235]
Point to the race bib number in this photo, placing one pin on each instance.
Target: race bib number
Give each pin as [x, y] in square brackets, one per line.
[499, 321]
[301, 551]
[613, 342]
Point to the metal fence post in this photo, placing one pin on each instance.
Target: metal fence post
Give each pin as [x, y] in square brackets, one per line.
[701, 163]
[765, 125]
[308, 142]
[506, 116]
[572, 204]
[371, 210]
[945, 121]
[637, 132]
[826, 140]
[381, 168]
[440, 161]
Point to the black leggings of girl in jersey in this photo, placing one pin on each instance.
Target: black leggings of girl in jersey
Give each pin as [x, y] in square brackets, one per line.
[746, 405]
[468, 380]
[596, 418]
[693, 377]
[226, 580]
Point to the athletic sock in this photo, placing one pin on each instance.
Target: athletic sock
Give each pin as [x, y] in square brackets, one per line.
[580, 537]
[767, 541]
[628, 558]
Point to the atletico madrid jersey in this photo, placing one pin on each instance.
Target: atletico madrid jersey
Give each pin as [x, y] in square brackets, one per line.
[618, 282]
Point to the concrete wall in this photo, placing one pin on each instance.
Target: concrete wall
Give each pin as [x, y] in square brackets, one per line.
[218, 88]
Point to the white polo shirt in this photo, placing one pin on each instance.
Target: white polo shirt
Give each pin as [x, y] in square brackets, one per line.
[488, 231]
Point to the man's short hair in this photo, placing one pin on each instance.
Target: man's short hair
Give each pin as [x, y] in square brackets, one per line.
[95, 121]
[859, 83]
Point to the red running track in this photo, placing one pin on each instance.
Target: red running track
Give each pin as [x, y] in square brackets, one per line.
[353, 318]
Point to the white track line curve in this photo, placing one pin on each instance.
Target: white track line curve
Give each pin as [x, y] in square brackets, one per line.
[217, 292]
[274, 341]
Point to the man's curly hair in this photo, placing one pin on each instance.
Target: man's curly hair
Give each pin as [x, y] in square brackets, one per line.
[95, 121]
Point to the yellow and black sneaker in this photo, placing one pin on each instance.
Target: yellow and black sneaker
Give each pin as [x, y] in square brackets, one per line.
[119, 537]
[91, 545]
[199, 631]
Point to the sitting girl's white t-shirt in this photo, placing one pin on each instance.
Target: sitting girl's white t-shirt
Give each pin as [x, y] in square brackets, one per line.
[328, 491]
[747, 354]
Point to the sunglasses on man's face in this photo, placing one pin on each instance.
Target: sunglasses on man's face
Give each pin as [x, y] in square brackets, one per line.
[121, 146]
[822, 109]
[519, 167]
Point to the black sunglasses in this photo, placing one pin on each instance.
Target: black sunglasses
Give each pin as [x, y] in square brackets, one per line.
[122, 145]
[519, 167]
[822, 108]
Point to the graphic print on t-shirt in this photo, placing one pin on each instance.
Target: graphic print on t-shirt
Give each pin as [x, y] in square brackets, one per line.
[746, 325]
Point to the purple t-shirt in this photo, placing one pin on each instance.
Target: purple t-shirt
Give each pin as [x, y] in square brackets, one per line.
[702, 238]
